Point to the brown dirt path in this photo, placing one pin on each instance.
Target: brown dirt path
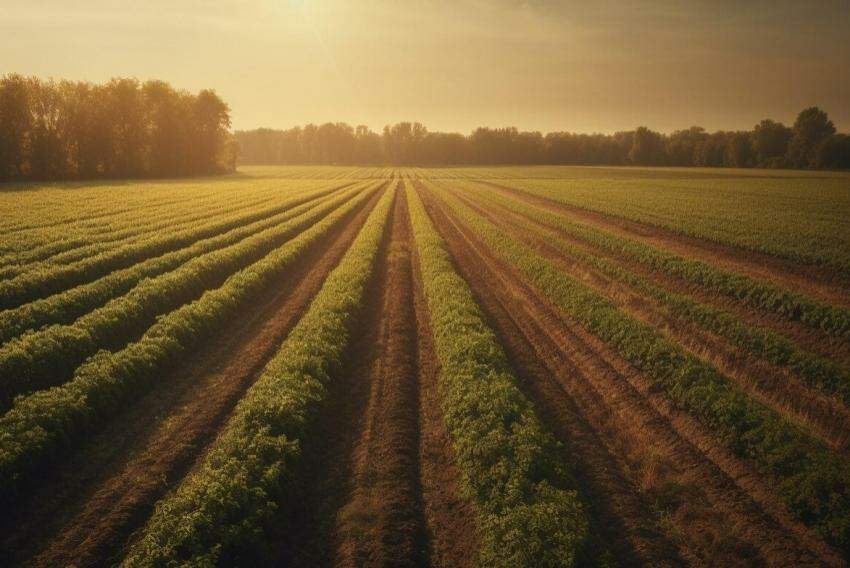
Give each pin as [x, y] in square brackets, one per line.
[720, 509]
[86, 511]
[362, 487]
[825, 417]
[817, 282]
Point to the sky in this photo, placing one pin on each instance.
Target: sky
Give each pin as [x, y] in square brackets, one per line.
[456, 64]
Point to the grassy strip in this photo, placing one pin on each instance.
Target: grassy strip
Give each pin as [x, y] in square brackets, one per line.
[816, 371]
[71, 304]
[813, 482]
[528, 514]
[217, 516]
[42, 425]
[49, 356]
[832, 320]
[33, 285]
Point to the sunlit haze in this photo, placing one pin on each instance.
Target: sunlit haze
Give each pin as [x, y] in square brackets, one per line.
[454, 65]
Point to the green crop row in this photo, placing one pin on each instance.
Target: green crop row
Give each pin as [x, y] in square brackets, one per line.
[813, 481]
[74, 247]
[33, 285]
[815, 370]
[799, 218]
[59, 239]
[49, 356]
[66, 306]
[528, 515]
[216, 516]
[832, 320]
[42, 425]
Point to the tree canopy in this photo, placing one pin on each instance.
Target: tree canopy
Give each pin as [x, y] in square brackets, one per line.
[124, 128]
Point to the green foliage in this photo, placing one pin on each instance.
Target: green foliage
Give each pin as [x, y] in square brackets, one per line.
[38, 359]
[122, 128]
[40, 426]
[218, 514]
[834, 321]
[813, 481]
[528, 512]
[816, 371]
[70, 304]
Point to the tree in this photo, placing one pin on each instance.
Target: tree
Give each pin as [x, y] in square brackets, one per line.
[681, 146]
[833, 152]
[647, 147]
[770, 140]
[738, 153]
[811, 128]
[15, 125]
[210, 121]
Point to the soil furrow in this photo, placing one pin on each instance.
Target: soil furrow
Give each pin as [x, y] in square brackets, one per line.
[818, 282]
[315, 529]
[722, 508]
[86, 511]
[365, 493]
[381, 522]
[825, 417]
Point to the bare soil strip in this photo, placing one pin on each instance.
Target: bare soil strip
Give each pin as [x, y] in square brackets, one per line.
[823, 416]
[814, 281]
[86, 511]
[718, 508]
[360, 491]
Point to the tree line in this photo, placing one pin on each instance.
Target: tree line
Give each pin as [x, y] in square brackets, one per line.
[811, 142]
[123, 128]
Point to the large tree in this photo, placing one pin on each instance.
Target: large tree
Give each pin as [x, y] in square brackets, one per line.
[15, 124]
[647, 148]
[811, 128]
[770, 141]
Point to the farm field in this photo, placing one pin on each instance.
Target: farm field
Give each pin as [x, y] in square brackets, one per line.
[361, 366]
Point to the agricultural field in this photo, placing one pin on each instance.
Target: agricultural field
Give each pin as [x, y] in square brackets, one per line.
[512, 366]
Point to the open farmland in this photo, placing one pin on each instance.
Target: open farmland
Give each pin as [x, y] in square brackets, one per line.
[517, 366]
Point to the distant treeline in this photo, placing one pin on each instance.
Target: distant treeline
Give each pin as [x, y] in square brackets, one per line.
[811, 142]
[123, 128]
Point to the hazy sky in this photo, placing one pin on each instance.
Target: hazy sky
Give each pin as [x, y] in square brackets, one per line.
[579, 66]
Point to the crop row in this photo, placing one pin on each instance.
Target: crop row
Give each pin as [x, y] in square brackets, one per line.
[65, 306]
[797, 219]
[42, 425]
[528, 513]
[216, 515]
[69, 215]
[87, 205]
[813, 482]
[48, 356]
[815, 370]
[832, 320]
[76, 245]
[31, 286]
